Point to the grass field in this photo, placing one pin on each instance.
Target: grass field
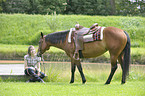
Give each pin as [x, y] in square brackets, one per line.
[94, 72]
[64, 89]
[18, 31]
[96, 75]
[25, 29]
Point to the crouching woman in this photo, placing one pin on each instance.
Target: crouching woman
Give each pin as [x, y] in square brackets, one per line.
[32, 66]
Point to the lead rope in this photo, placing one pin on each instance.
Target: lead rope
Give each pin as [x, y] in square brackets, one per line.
[43, 63]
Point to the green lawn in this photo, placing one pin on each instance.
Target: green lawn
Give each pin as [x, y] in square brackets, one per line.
[136, 88]
[96, 75]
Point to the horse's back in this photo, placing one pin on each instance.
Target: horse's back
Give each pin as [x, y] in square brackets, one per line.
[114, 40]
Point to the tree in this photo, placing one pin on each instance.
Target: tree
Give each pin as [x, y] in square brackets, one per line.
[15, 6]
[113, 8]
[51, 6]
[126, 7]
[88, 7]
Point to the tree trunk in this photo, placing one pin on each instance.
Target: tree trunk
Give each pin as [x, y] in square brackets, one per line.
[113, 8]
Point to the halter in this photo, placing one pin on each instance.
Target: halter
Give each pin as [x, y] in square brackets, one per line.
[40, 46]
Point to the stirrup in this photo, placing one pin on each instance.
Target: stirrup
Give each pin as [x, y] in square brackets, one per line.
[76, 56]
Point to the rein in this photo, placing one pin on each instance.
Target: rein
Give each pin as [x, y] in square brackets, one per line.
[43, 63]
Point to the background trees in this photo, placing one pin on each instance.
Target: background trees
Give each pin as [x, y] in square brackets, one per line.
[85, 7]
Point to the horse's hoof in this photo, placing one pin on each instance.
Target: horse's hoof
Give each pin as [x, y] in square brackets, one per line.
[71, 82]
[122, 83]
[107, 83]
[84, 81]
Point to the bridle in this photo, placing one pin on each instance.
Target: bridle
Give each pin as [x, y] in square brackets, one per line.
[40, 53]
[40, 48]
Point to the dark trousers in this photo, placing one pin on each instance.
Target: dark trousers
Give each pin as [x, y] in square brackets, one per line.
[33, 74]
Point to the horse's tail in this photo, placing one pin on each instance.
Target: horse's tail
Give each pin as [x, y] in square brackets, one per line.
[127, 54]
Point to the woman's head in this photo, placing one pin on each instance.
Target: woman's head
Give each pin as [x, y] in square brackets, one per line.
[31, 50]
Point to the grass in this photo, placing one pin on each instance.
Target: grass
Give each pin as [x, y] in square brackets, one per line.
[60, 72]
[18, 51]
[64, 89]
[96, 75]
[25, 29]
[18, 31]
[22, 48]
[94, 72]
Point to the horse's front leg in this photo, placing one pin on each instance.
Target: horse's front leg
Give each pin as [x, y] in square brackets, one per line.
[73, 68]
[81, 72]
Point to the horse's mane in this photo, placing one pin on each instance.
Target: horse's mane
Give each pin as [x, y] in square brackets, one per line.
[56, 37]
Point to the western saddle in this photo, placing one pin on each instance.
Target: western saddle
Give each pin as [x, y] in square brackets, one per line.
[80, 31]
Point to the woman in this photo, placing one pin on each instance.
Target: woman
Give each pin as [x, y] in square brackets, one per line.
[32, 66]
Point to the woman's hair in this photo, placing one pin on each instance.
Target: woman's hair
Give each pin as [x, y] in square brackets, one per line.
[29, 50]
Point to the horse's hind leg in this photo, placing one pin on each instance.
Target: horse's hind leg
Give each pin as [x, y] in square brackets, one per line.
[120, 59]
[113, 69]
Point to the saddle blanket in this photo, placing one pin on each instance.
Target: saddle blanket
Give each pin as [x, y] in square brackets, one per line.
[97, 36]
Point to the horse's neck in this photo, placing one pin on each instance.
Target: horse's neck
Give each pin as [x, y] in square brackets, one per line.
[58, 39]
[60, 46]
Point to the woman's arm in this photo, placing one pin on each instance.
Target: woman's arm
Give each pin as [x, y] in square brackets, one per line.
[38, 66]
[25, 64]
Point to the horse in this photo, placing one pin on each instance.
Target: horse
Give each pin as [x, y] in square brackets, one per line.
[115, 40]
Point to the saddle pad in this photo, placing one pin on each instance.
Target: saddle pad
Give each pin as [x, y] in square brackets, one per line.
[97, 36]
[69, 35]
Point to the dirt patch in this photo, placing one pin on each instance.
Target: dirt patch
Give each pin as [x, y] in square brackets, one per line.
[10, 61]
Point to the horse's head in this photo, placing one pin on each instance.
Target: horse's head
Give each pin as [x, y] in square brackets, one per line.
[42, 45]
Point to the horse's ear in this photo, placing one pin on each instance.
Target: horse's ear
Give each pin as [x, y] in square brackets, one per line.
[41, 34]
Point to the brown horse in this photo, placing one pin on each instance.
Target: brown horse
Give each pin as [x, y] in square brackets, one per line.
[115, 40]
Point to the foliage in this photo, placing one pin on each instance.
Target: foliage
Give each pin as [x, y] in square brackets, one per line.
[15, 6]
[126, 7]
[86, 7]
[32, 6]
[51, 6]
